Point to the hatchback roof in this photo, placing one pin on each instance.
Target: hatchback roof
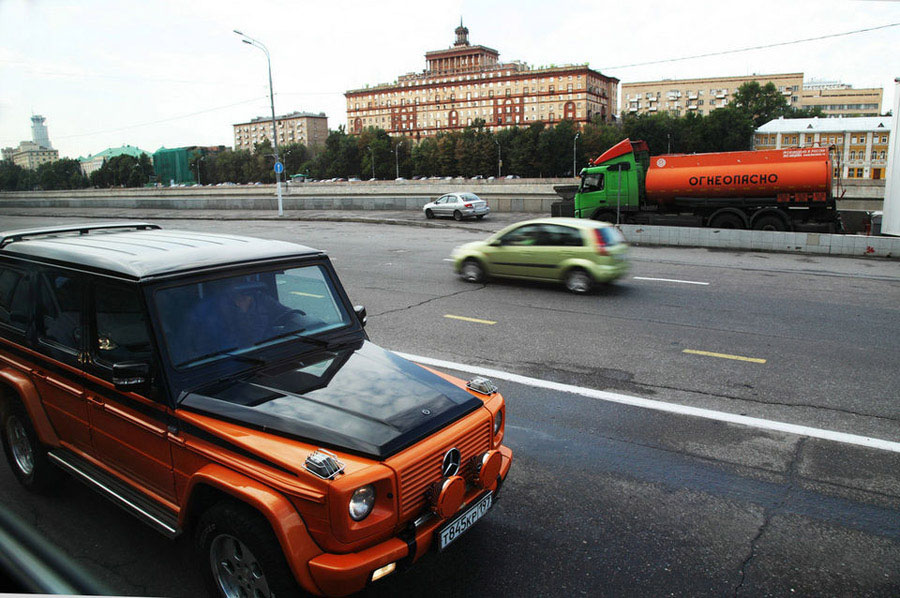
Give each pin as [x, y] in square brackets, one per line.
[139, 250]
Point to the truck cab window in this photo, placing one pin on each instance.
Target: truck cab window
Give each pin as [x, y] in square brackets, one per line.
[592, 182]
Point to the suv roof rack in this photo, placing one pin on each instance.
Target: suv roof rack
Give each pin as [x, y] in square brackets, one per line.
[82, 229]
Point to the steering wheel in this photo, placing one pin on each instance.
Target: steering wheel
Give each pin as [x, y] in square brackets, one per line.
[281, 319]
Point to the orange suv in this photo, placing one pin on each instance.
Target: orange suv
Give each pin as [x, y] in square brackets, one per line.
[225, 387]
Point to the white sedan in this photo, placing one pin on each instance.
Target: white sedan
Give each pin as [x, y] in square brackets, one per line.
[457, 206]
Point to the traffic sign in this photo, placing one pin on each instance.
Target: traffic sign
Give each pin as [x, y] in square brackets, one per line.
[279, 167]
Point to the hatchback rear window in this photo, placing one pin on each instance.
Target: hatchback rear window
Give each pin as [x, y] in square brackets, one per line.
[611, 236]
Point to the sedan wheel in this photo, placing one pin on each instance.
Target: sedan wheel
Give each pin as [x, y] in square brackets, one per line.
[429, 214]
[457, 215]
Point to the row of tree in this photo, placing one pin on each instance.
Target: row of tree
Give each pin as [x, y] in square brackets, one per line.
[538, 150]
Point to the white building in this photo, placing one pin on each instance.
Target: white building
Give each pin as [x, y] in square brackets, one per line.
[861, 143]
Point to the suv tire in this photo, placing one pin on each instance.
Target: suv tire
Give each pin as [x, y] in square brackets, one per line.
[26, 455]
[239, 554]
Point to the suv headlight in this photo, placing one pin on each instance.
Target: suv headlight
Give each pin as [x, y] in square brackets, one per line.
[361, 503]
[498, 422]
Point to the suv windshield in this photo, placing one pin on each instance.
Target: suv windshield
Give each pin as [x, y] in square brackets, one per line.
[207, 320]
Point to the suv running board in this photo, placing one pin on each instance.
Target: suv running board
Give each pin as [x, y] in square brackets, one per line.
[156, 516]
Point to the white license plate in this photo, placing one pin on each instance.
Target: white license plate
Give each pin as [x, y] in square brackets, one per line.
[453, 530]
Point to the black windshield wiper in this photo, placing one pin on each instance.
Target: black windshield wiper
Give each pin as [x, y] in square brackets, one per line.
[227, 353]
[296, 334]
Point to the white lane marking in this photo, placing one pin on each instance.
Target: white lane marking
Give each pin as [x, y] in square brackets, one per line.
[602, 395]
[671, 280]
[448, 259]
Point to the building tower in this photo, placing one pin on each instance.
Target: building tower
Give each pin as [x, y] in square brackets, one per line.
[39, 132]
[462, 35]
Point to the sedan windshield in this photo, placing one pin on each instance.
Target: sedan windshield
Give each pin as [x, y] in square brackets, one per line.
[208, 320]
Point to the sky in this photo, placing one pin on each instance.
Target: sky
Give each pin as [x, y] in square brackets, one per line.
[173, 73]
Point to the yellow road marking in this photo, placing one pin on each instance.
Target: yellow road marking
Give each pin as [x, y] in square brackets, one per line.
[306, 294]
[475, 320]
[725, 356]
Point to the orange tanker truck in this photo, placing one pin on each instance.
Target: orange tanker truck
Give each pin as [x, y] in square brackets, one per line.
[780, 190]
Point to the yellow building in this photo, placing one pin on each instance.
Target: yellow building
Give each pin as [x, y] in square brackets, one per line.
[465, 83]
[861, 143]
[297, 127]
[30, 155]
[702, 95]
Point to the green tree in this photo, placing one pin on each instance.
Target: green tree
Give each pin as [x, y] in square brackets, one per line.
[10, 175]
[425, 157]
[761, 103]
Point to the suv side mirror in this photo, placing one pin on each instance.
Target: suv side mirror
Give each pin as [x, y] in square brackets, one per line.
[131, 376]
[361, 314]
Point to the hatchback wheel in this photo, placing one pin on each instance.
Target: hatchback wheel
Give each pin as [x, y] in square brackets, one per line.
[579, 281]
[472, 271]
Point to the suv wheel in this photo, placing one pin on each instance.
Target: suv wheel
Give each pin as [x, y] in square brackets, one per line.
[578, 281]
[26, 455]
[240, 555]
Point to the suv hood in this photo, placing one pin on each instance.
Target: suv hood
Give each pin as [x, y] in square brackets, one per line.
[361, 399]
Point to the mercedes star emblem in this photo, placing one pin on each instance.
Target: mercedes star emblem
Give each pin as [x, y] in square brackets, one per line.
[450, 465]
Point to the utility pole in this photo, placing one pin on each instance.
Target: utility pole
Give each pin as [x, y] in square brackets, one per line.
[574, 159]
[258, 44]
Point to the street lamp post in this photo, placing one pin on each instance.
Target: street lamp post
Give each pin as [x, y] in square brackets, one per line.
[257, 44]
[397, 158]
[574, 158]
[372, 151]
[499, 162]
[200, 159]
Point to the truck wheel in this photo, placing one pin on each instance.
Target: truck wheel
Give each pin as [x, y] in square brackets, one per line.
[770, 222]
[578, 281]
[472, 271]
[26, 455]
[240, 555]
[727, 220]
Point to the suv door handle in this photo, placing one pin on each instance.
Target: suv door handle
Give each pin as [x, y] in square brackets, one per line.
[95, 400]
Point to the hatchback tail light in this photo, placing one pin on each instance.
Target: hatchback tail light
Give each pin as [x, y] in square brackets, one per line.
[468, 205]
[601, 242]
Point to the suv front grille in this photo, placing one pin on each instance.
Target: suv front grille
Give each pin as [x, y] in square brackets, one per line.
[417, 478]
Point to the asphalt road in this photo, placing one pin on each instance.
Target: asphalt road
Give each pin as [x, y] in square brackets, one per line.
[608, 499]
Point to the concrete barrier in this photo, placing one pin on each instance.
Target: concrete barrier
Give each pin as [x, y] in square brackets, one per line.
[811, 243]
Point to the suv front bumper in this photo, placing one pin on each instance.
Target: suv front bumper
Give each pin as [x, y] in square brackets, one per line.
[343, 574]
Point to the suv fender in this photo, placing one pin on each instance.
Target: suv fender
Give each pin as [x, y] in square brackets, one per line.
[286, 523]
[23, 389]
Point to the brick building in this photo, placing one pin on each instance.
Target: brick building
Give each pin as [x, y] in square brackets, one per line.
[464, 83]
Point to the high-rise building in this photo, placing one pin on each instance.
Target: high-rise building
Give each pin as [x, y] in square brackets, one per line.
[297, 127]
[465, 83]
[39, 132]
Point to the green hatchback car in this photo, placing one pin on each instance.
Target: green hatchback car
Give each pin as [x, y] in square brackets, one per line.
[578, 253]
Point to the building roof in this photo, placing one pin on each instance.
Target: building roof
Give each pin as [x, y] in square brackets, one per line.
[827, 125]
[112, 152]
[726, 78]
[139, 250]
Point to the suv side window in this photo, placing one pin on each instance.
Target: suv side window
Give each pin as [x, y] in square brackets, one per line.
[14, 300]
[60, 301]
[120, 331]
